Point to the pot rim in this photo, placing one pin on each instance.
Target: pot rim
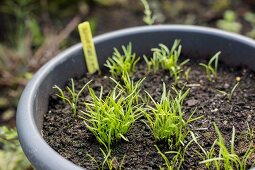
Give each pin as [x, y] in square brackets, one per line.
[25, 118]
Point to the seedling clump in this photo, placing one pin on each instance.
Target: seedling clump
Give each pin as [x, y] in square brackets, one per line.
[224, 158]
[120, 64]
[166, 120]
[130, 87]
[166, 59]
[110, 118]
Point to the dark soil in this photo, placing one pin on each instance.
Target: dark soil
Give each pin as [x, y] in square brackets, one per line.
[69, 136]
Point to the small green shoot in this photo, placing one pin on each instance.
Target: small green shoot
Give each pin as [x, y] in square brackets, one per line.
[109, 119]
[148, 18]
[73, 101]
[153, 62]
[111, 163]
[120, 64]
[225, 158]
[130, 87]
[166, 120]
[167, 59]
[212, 66]
[250, 132]
[187, 73]
[178, 158]
[230, 94]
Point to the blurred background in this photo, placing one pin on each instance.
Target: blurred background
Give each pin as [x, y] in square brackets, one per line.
[34, 31]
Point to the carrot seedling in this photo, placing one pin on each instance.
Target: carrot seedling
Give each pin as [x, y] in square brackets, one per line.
[166, 121]
[109, 119]
[124, 63]
[231, 93]
[73, 101]
[225, 158]
[211, 67]
[175, 163]
[130, 86]
[166, 59]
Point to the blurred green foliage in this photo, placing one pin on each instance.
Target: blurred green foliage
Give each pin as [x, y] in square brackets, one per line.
[11, 155]
[229, 22]
[220, 5]
[250, 17]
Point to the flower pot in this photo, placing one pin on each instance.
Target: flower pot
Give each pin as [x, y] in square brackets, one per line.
[197, 42]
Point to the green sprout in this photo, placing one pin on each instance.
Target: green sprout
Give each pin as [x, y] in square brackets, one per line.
[174, 162]
[230, 94]
[148, 18]
[130, 86]
[212, 66]
[224, 158]
[120, 64]
[187, 73]
[153, 62]
[167, 59]
[111, 163]
[166, 120]
[250, 132]
[178, 158]
[109, 119]
[73, 101]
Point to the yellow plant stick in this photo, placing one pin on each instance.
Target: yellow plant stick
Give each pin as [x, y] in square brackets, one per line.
[88, 47]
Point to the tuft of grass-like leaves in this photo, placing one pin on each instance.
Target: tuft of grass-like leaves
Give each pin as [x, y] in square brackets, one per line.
[110, 118]
[109, 161]
[166, 121]
[166, 59]
[124, 63]
[129, 86]
[212, 66]
[224, 158]
[73, 101]
[178, 157]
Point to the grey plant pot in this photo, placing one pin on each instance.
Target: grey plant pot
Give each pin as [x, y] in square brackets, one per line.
[197, 42]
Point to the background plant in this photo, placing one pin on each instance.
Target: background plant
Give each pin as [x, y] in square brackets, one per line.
[148, 17]
[110, 162]
[124, 63]
[229, 22]
[250, 17]
[11, 154]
